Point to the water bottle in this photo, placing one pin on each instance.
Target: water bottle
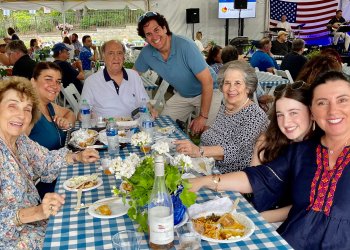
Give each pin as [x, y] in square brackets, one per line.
[148, 124]
[85, 113]
[142, 110]
[112, 137]
[160, 211]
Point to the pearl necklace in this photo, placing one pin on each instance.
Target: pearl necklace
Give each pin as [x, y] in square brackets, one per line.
[231, 112]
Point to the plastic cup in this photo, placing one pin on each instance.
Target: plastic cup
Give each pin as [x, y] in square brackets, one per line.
[189, 239]
[126, 240]
[105, 164]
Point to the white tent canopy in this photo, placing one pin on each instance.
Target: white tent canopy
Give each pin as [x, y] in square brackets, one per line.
[64, 5]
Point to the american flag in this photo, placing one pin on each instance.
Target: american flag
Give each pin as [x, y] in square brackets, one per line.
[314, 14]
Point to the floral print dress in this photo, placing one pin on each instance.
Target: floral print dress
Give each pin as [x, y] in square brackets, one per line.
[17, 190]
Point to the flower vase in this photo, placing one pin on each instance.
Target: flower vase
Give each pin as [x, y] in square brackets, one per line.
[179, 208]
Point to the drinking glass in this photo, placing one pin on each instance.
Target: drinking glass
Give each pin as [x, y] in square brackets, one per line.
[105, 164]
[189, 239]
[126, 240]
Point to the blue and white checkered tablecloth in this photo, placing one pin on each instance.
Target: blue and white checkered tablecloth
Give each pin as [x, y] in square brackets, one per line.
[78, 230]
[267, 80]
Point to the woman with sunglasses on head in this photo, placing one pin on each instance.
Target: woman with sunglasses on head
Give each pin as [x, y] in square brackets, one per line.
[290, 121]
[48, 131]
[317, 170]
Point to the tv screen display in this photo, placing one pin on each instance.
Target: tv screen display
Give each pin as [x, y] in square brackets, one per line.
[226, 9]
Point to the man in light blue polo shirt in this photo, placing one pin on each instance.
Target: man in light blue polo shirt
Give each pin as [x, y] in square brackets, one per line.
[86, 56]
[114, 91]
[178, 60]
[262, 58]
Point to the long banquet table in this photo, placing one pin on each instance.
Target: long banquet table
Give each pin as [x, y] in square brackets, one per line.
[70, 229]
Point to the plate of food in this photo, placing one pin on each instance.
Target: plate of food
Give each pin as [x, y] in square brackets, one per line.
[83, 138]
[85, 182]
[108, 208]
[223, 227]
[126, 122]
[165, 130]
[122, 135]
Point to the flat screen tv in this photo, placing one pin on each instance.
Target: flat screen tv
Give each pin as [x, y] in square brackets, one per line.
[226, 9]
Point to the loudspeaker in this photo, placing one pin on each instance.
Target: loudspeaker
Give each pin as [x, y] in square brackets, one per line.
[241, 4]
[192, 15]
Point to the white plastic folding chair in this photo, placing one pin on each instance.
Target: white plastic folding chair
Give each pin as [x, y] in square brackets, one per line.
[284, 74]
[158, 101]
[72, 96]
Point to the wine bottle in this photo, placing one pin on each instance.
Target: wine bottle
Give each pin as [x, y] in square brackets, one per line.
[160, 211]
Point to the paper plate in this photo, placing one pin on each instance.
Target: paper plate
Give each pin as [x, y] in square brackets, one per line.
[67, 182]
[116, 205]
[248, 223]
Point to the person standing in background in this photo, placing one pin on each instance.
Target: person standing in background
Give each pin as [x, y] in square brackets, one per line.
[198, 41]
[178, 60]
[69, 45]
[77, 45]
[12, 33]
[86, 56]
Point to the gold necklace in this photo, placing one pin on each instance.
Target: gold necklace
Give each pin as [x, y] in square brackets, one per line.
[331, 151]
[231, 112]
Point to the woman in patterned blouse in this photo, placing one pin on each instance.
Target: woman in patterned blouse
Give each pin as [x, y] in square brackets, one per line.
[239, 122]
[23, 216]
[317, 170]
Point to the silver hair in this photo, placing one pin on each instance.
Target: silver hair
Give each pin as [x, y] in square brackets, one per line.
[103, 47]
[250, 77]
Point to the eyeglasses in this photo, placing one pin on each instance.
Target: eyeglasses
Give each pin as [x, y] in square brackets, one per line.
[293, 86]
[147, 14]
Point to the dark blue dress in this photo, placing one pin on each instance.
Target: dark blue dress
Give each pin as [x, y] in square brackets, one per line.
[47, 134]
[320, 215]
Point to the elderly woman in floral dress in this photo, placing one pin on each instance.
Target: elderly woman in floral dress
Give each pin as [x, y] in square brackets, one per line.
[23, 216]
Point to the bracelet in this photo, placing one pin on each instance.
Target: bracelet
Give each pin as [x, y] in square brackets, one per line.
[205, 117]
[201, 152]
[18, 221]
[216, 179]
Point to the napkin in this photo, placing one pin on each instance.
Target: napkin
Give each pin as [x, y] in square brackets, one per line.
[218, 205]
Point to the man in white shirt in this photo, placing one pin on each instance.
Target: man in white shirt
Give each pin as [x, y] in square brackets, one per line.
[114, 91]
[284, 24]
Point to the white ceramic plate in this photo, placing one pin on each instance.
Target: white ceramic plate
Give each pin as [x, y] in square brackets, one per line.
[248, 223]
[117, 207]
[102, 137]
[67, 182]
[165, 130]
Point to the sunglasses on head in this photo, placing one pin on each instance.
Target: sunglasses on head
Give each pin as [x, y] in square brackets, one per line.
[293, 86]
[147, 14]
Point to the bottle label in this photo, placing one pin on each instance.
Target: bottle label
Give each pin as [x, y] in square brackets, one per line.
[147, 124]
[85, 111]
[111, 132]
[161, 227]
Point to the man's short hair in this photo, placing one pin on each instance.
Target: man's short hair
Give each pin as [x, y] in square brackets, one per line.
[298, 44]
[338, 11]
[148, 16]
[85, 37]
[17, 45]
[264, 41]
[75, 34]
[103, 47]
